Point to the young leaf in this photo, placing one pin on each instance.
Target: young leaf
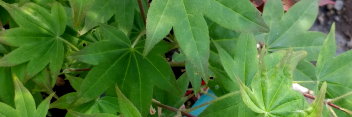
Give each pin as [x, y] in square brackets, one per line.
[128, 110]
[319, 102]
[271, 93]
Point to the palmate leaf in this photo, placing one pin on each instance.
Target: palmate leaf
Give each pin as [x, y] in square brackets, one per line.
[118, 62]
[191, 30]
[271, 93]
[290, 30]
[37, 38]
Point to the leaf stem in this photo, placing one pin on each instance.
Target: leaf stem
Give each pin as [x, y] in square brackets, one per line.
[69, 44]
[341, 97]
[177, 64]
[140, 35]
[141, 8]
[171, 108]
[215, 100]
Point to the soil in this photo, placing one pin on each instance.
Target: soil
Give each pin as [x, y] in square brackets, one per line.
[340, 14]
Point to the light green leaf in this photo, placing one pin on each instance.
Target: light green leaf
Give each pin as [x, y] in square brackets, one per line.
[43, 107]
[273, 12]
[319, 102]
[243, 64]
[246, 57]
[297, 20]
[24, 101]
[328, 51]
[8, 111]
[271, 93]
[128, 110]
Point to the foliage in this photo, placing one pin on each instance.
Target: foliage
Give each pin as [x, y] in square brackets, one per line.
[119, 57]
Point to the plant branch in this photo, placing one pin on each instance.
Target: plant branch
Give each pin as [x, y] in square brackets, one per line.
[141, 8]
[177, 64]
[329, 103]
[171, 108]
[342, 96]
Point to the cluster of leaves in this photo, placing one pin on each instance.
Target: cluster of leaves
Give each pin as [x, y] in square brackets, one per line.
[115, 60]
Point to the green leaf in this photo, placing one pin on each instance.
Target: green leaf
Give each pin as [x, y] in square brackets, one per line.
[77, 114]
[238, 15]
[24, 101]
[243, 63]
[191, 31]
[7, 111]
[271, 93]
[307, 41]
[319, 102]
[99, 12]
[328, 51]
[273, 12]
[6, 86]
[43, 107]
[230, 106]
[134, 70]
[297, 20]
[79, 10]
[125, 14]
[40, 30]
[128, 110]
[65, 101]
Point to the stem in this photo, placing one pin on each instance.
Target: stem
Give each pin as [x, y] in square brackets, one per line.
[69, 44]
[171, 108]
[330, 104]
[140, 5]
[138, 38]
[177, 64]
[215, 100]
[340, 97]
